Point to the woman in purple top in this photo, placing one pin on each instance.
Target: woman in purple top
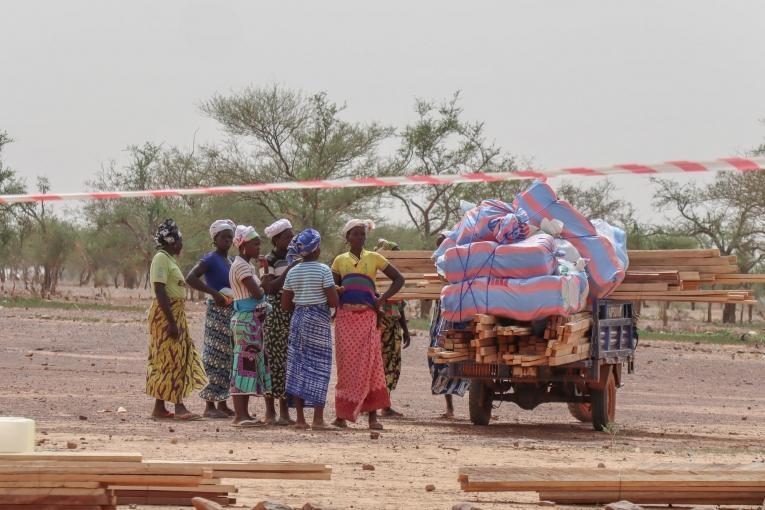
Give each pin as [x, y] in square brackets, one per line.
[218, 352]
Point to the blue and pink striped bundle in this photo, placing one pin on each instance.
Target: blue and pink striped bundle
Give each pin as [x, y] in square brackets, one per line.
[520, 299]
[604, 247]
[491, 220]
[530, 257]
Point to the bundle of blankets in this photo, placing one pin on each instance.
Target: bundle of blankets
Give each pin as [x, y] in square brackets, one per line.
[527, 260]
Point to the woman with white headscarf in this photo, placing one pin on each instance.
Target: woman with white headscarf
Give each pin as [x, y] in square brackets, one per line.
[250, 373]
[276, 328]
[218, 352]
[361, 386]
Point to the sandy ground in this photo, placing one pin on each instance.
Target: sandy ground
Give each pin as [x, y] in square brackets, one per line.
[686, 403]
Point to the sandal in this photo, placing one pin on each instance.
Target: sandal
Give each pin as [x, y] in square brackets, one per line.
[376, 426]
[248, 424]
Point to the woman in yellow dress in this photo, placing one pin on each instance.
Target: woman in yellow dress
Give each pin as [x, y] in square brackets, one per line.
[174, 369]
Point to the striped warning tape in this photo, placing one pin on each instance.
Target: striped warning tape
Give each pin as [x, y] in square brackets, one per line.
[718, 165]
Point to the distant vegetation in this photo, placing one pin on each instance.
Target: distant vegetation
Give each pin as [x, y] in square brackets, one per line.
[278, 134]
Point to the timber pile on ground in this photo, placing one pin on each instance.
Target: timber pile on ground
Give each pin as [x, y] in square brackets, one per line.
[653, 275]
[663, 484]
[45, 495]
[125, 478]
[492, 340]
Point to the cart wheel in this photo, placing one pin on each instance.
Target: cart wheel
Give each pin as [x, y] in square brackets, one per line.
[480, 402]
[582, 411]
[604, 403]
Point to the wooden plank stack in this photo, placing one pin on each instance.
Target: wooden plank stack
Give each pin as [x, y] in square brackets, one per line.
[566, 339]
[663, 484]
[684, 276]
[653, 275]
[108, 479]
[418, 268]
[47, 495]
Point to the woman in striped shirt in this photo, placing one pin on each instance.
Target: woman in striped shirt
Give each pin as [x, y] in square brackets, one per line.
[250, 374]
[309, 290]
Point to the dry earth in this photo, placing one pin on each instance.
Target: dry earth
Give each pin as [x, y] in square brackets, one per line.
[686, 403]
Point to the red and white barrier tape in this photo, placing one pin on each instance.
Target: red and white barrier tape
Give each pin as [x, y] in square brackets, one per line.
[719, 165]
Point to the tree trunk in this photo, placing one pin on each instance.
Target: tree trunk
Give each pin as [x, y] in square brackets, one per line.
[750, 314]
[709, 312]
[664, 314]
[729, 313]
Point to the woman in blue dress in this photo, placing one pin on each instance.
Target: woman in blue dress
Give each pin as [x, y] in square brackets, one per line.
[217, 355]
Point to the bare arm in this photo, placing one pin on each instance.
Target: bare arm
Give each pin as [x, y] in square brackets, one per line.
[333, 300]
[398, 281]
[194, 279]
[253, 287]
[288, 303]
[273, 284]
[164, 304]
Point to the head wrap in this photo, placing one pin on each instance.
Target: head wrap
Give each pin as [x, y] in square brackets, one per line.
[368, 225]
[384, 244]
[277, 227]
[220, 226]
[243, 234]
[303, 244]
[168, 233]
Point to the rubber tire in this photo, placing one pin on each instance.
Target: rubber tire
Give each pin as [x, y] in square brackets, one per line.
[480, 402]
[582, 411]
[604, 403]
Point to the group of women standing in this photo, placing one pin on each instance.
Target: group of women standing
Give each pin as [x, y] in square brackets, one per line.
[272, 337]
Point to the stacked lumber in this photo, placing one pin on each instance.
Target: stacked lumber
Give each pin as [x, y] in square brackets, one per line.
[48, 495]
[418, 268]
[486, 341]
[685, 276]
[129, 479]
[653, 275]
[668, 484]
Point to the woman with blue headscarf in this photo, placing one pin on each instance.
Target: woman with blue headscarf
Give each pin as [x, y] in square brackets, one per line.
[309, 292]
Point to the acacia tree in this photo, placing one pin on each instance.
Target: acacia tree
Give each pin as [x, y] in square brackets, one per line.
[283, 135]
[136, 219]
[9, 216]
[598, 201]
[727, 214]
[440, 142]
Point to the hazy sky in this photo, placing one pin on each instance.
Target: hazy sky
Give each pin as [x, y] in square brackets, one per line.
[568, 83]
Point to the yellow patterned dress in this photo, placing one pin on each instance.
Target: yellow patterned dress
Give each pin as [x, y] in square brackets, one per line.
[174, 369]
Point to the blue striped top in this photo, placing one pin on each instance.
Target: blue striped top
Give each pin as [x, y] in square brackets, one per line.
[307, 281]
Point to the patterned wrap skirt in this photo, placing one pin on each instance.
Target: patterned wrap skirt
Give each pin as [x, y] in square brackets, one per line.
[276, 332]
[361, 384]
[217, 352]
[250, 372]
[391, 335]
[174, 369]
[309, 359]
[441, 383]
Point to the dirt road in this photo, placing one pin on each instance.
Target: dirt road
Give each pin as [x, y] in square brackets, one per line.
[686, 403]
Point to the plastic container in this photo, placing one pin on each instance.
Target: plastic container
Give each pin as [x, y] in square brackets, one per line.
[17, 435]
